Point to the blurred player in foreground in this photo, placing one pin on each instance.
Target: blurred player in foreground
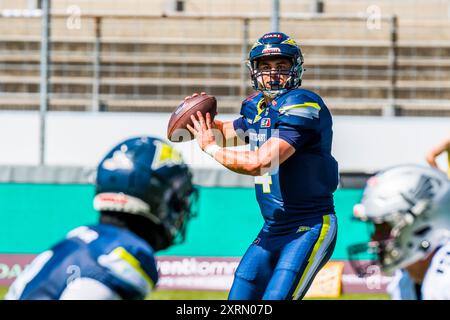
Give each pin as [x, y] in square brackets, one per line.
[290, 134]
[144, 195]
[441, 148]
[408, 208]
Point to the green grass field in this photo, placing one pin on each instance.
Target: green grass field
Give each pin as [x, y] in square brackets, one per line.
[214, 295]
[221, 295]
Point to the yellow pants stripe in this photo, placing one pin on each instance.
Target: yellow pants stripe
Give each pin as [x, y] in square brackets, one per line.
[260, 108]
[312, 258]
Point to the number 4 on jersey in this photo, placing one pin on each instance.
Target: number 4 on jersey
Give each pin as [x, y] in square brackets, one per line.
[265, 181]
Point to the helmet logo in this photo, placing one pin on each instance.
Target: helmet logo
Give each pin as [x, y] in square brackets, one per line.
[271, 50]
[290, 41]
[165, 155]
[272, 35]
[119, 160]
[424, 190]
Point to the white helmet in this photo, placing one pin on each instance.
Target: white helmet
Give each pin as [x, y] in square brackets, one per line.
[409, 206]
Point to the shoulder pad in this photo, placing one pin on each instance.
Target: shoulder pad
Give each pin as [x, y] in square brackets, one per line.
[301, 105]
[298, 108]
[130, 268]
[84, 233]
[252, 106]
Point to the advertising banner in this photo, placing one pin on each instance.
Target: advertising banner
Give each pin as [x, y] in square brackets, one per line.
[216, 274]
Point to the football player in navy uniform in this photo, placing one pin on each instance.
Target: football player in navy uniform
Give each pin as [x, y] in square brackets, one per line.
[289, 130]
[144, 194]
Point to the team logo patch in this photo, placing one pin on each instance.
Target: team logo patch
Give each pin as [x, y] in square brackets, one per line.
[265, 123]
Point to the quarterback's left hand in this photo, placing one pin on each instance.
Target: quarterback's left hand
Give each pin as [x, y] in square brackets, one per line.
[203, 130]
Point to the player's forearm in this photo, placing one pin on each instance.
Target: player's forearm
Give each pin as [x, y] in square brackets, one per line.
[255, 163]
[220, 125]
[243, 162]
[230, 137]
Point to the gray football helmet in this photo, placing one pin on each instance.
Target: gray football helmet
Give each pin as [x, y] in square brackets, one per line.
[409, 208]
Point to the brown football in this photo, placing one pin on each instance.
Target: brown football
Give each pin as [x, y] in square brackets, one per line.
[177, 128]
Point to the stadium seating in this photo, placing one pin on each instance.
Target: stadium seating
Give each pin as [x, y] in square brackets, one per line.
[151, 63]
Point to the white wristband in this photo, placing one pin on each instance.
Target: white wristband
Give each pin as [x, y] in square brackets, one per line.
[212, 149]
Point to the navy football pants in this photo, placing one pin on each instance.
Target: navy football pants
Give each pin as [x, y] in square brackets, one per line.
[283, 266]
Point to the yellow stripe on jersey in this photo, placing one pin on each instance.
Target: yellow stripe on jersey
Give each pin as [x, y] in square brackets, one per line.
[314, 105]
[323, 233]
[128, 257]
[259, 108]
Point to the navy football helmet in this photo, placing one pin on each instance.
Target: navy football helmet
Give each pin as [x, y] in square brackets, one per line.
[279, 45]
[145, 176]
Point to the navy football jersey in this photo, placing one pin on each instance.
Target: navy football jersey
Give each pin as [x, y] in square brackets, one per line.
[302, 186]
[113, 256]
